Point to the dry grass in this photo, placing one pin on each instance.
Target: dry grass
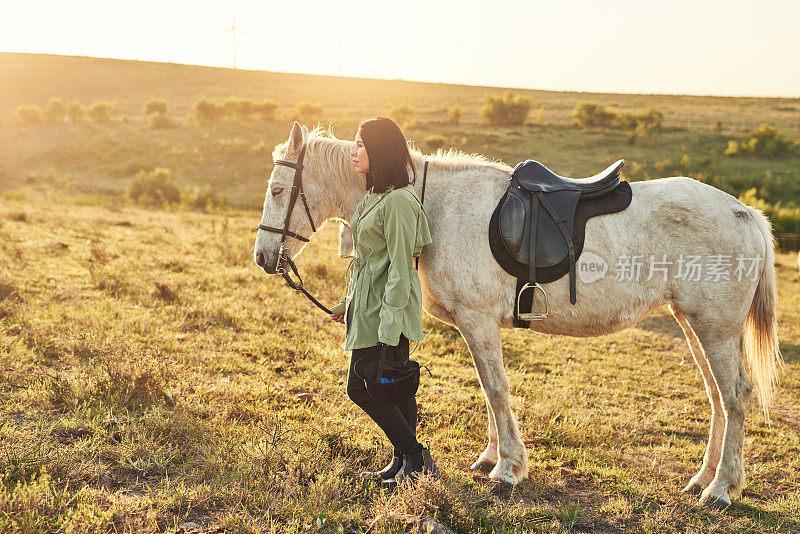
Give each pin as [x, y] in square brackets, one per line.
[34, 79]
[151, 375]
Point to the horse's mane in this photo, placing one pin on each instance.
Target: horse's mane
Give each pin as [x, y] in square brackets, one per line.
[336, 152]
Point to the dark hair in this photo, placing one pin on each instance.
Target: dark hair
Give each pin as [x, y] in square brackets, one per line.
[389, 156]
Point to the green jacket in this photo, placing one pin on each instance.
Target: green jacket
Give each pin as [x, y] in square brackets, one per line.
[384, 298]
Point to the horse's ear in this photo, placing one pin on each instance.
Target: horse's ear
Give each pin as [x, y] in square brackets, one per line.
[296, 138]
[305, 133]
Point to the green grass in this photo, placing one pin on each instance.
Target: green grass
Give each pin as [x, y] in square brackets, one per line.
[151, 375]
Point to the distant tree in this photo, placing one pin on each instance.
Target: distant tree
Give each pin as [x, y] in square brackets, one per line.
[454, 115]
[155, 105]
[206, 110]
[766, 140]
[237, 109]
[265, 109]
[308, 112]
[56, 111]
[405, 116]
[100, 111]
[784, 219]
[434, 142]
[539, 118]
[155, 188]
[595, 114]
[75, 111]
[509, 110]
[29, 114]
[651, 118]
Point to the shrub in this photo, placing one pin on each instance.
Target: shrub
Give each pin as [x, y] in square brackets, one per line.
[29, 114]
[75, 111]
[56, 111]
[784, 219]
[100, 111]
[650, 118]
[308, 112]
[237, 109]
[155, 188]
[733, 148]
[434, 142]
[207, 111]
[508, 110]
[155, 105]
[265, 109]
[404, 115]
[539, 119]
[765, 140]
[203, 198]
[593, 114]
[159, 121]
[454, 115]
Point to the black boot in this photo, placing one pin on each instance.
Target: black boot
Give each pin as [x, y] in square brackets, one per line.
[388, 472]
[414, 464]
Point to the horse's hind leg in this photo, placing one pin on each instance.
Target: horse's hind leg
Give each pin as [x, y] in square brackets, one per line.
[716, 433]
[483, 339]
[721, 346]
[488, 458]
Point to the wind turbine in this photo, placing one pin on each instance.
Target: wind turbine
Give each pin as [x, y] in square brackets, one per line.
[381, 63]
[233, 31]
[340, 44]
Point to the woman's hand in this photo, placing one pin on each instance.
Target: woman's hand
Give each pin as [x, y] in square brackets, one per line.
[338, 318]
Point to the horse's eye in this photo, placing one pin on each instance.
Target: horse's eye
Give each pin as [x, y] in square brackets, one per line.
[276, 191]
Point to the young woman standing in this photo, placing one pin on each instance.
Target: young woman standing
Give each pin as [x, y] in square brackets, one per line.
[383, 305]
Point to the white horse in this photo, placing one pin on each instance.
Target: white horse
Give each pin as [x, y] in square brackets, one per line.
[674, 220]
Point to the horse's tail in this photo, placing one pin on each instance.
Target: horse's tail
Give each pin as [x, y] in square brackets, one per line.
[761, 347]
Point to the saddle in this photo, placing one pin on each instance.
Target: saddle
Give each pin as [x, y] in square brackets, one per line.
[533, 230]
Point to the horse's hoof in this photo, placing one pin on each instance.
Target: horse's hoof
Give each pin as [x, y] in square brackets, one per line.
[483, 466]
[502, 474]
[692, 489]
[715, 504]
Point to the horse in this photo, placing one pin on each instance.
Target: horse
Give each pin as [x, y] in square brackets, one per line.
[463, 285]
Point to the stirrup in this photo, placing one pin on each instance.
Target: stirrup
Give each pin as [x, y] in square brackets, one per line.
[532, 316]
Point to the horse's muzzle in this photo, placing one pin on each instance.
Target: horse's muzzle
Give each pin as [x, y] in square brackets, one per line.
[261, 261]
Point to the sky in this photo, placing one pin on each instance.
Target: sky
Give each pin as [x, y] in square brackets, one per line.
[717, 47]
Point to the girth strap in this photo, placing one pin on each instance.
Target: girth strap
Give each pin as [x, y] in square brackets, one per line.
[561, 223]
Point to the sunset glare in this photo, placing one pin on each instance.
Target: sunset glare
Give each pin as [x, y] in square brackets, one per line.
[682, 47]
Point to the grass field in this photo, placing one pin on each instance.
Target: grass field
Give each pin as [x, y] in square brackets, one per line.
[152, 376]
[235, 158]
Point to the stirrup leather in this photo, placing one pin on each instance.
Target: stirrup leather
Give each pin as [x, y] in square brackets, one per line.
[532, 316]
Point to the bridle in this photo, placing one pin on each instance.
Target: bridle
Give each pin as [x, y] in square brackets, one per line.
[284, 252]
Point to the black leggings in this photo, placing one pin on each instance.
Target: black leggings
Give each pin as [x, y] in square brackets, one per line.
[399, 423]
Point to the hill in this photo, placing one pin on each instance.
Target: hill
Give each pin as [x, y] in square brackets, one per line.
[234, 158]
[34, 78]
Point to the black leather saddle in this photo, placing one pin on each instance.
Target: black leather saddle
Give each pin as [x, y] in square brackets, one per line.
[534, 223]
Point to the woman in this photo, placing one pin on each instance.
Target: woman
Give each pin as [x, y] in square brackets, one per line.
[383, 302]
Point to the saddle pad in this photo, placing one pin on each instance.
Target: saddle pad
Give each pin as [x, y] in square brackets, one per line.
[616, 201]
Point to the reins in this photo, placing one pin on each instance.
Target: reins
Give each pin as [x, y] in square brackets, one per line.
[284, 252]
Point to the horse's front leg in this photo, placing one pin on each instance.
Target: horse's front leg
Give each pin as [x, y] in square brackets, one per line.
[488, 458]
[483, 339]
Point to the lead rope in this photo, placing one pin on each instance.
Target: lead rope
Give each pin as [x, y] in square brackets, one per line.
[416, 260]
